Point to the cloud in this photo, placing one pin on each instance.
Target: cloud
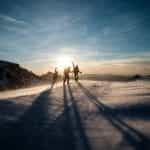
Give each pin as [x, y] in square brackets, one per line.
[12, 24]
[13, 20]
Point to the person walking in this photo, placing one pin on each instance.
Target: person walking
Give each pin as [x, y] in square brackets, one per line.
[66, 74]
[76, 72]
[55, 76]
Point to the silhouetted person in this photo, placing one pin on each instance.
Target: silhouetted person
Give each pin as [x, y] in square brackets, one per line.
[66, 74]
[76, 72]
[55, 76]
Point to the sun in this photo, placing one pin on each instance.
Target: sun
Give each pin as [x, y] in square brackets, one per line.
[63, 61]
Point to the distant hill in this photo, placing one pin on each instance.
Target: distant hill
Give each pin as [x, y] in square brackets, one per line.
[12, 76]
[47, 76]
[109, 77]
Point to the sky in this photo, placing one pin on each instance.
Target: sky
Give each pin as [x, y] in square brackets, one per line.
[103, 36]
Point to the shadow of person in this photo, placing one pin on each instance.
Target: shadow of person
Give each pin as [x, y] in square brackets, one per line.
[26, 132]
[34, 129]
[68, 121]
[132, 136]
[83, 137]
[135, 111]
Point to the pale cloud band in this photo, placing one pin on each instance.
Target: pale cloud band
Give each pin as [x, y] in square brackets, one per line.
[10, 19]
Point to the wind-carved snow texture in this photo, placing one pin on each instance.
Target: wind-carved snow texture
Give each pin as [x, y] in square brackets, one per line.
[86, 115]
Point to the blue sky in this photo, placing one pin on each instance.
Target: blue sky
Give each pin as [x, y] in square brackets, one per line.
[34, 32]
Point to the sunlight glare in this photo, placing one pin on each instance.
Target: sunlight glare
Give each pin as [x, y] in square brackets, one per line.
[64, 61]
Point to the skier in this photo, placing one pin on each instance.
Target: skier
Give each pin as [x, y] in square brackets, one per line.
[55, 76]
[66, 74]
[76, 72]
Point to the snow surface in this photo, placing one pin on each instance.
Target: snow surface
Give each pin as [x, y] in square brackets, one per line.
[89, 115]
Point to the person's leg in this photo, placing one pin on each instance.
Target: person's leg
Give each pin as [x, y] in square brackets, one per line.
[77, 77]
[64, 79]
[53, 82]
[68, 79]
[74, 75]
[54, 79]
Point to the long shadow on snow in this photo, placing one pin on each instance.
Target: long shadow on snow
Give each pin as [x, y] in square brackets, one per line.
[132, 136]
[68, 128]
[9, 110]
[83, 138]
[134, 111]
[34, 130]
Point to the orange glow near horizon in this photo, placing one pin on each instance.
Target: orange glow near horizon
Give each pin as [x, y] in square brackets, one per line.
[90, 67]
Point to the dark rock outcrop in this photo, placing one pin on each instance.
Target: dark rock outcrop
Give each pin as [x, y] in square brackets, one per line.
[12, 76]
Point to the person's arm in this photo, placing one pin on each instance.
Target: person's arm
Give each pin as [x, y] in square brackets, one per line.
[73, 65]
[79, 70]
